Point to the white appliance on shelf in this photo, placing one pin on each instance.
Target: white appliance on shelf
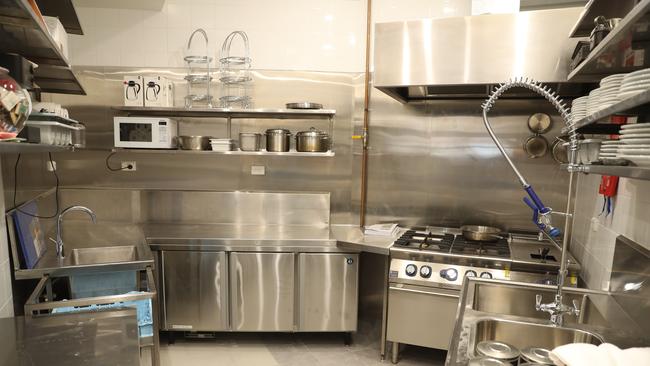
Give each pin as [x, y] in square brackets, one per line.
[145, 132]
[133, 91]
[158, 92]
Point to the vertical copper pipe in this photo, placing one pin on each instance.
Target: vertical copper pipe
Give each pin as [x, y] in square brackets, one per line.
[364, 132]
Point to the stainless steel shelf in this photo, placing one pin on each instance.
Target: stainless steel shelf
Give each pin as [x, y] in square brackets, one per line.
[634, 172]
[23, 32]
[25, 148]
[625, 106]
[594, 8]
[234, 152]
[607, 58]
[269, 113]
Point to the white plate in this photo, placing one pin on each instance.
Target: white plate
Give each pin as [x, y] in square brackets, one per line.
[627, 95]
[635, 135]
[637, 159]
[635, 125]
[638, 72]
[613, 77]
[637, 141]
[635, 77]
[634, 86]
[635, 152]
[635, 131]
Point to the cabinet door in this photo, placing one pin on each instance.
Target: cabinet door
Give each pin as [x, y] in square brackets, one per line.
[328, 292]
[262, 291]
[195, 290]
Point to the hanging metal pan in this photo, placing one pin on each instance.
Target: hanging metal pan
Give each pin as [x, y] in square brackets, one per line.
[536, 146]
[540, 123]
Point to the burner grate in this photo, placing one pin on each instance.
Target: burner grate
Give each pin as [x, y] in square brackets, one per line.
[499, 248]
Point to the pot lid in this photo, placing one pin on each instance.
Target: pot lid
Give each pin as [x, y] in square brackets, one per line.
[313, 132]
[498, 350]
[278, 131]
[249, 134]
[537, 355]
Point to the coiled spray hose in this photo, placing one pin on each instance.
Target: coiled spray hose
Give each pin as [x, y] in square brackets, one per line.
[541, 213]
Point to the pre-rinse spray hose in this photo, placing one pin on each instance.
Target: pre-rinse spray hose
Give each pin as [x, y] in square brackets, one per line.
[541, 213]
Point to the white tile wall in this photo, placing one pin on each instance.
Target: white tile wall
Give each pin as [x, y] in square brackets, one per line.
[6, 302]
[594, 234]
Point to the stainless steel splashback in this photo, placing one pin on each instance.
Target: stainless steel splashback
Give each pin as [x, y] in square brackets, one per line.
[462, 56]
[630, 280]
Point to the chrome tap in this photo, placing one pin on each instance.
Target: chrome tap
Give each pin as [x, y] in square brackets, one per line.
[557, 309]
[59, 229]
[541, 213]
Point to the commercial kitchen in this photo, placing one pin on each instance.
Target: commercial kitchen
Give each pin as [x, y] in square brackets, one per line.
[342, 182]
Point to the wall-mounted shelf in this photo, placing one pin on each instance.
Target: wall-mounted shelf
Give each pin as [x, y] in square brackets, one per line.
[270, 113]
[234, 152]
[630, 106]
[635, 172]
[26, 148]
[23, 32]
[608, 57]
[65, 11]
[607, 8]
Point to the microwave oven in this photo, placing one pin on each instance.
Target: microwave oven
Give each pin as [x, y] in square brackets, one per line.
[145, 132]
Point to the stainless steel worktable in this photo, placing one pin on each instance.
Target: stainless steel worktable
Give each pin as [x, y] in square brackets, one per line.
[106, 339]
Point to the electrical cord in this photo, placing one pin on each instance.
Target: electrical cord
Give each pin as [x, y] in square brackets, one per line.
[108, 166]
[56, 191]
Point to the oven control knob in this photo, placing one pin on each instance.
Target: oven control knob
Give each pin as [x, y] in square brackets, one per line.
[470, 273]
[425, 271]
[486, 275]
[411, 270]
[450, 274]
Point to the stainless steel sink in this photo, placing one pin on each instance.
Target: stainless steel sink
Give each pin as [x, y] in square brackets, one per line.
[522, 334]
[521, 302]
[89, 256]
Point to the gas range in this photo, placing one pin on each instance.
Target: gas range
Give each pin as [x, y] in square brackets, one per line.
[451, 243]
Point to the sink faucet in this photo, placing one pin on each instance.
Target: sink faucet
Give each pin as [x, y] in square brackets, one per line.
[59, 229]
[541, 213]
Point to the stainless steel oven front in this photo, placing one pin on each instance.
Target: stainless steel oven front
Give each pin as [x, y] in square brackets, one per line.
[422, 316]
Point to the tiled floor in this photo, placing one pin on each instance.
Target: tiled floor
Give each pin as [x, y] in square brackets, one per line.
[272, 349]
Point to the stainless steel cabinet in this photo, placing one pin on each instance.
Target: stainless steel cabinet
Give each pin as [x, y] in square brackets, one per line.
[328, 292]
[262, 291]
[195, 290]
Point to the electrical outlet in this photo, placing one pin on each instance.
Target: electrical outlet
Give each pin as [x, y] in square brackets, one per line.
[258, 170]
[129, 166]
[50, 165]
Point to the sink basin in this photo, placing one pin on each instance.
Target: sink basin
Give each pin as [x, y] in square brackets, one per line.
[88, 256]
[522, 335]
[521, 302]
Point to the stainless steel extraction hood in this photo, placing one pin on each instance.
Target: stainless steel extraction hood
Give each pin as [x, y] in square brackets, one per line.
[463, 57]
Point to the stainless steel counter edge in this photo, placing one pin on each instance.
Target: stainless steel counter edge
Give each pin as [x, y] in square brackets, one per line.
[351, 237]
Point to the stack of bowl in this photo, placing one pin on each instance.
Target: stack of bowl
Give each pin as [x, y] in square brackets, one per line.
[578, 109]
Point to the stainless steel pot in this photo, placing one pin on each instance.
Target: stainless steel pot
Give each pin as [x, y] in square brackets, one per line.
[481, 233]
[278, 140]
[312, 141]
[194, 142]
[249, 141]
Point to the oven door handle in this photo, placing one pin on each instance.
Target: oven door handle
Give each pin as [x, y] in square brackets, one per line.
[422, 292]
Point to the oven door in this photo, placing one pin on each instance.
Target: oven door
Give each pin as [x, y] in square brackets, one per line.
[422, 316]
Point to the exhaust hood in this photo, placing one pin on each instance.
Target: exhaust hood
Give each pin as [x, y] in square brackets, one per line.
[465, 57]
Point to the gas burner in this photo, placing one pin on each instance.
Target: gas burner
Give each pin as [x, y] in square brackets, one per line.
[424, 240]
[498, 248]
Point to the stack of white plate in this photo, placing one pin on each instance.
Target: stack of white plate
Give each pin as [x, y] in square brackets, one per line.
[593, 104]
[636, 143]
[609, 149]
[221, 144]
[609, 88]
[578, 109]
[634, 83]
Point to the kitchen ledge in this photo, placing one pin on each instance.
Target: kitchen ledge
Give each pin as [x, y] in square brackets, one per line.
[352, 237]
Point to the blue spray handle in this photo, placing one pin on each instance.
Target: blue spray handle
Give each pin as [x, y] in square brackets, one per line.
[535, 203]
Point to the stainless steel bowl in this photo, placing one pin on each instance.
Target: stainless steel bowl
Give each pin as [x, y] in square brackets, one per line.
[194, 142]
[312, 141]
[278, 140]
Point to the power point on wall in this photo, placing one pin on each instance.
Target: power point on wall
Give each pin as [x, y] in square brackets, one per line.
[129, 166]
[258, 170]
[50, 165]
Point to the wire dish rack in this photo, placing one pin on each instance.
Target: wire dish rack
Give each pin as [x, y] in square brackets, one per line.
[198, 75]
[234, 73]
